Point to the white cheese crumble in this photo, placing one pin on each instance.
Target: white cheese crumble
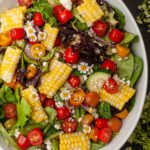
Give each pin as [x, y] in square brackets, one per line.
[17, 133]
[67, 4]
[45, 64]
[48, 144]
[57, 126]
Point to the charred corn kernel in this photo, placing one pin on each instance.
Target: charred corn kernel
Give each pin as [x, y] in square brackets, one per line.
[74, 141]
[90, 11]
[53, 80]
[118, 99]
[9, 63]
[13, 18]
[31, 71]
[51, 35]
[31, 96]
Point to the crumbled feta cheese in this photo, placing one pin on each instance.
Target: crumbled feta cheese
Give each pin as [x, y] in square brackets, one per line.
[57, 126]
[45, 64]
[57, 55]
[17, 133]
[128, 82]
[114, 50]
[59, 104]
[119, 59]
[79, 120]
[126, 58]
[67, 4]
[48, 144]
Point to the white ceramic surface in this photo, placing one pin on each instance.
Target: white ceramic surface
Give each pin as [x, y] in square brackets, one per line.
[139, 49]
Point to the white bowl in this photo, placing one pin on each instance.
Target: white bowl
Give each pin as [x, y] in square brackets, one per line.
[130, 122]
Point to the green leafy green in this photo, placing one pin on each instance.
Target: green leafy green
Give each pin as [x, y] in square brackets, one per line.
[96, 146]
[28, 60]
[79, 127]
[2, 113]
[132, 103]
[55, 145]
[51, 114]
[104, 110]
[76, 72]
[79, 112]
[57, 97]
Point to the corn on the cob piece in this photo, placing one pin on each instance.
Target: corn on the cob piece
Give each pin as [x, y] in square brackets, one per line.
[51, 35]
[9, 63]
[53, 80]
[74, 141]
[90, 11]
[13, 18]
[31, 96]
[118, 99]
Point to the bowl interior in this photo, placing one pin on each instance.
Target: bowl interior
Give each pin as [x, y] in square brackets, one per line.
[130, 122]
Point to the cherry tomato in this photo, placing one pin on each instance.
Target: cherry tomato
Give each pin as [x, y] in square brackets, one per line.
[69, 125]
[10, 110]
[116, 36]
[100, 28]
[38, 19]
[77, 97]
[93, 135]
[92, 99]
[87, 119]
[105, 134]
[63, 113]
[26, 3]
[35, 137]
[17, 33]
[5, 39]
[114, 124]
[13, 81]
[74, 81]
[63, 15]
[71, 56]
[57, 41]
[109, 65]
[42, 98]
[111, 86]
[49, 103]
[100, 123]
[23, 142]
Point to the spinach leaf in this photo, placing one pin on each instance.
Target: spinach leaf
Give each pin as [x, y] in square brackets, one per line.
[96, 146]
[55, 145]
[125, 67]
[138, 67]
[2, 113]
[104, 110]
[132, 103]
[51, 114]
[79, 112]
[76, 72]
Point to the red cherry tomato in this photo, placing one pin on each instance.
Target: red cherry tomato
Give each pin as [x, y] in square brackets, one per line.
[74, 81]
[38, 19]
[49, 103]
[26, 3]
[93, 135]
[105, 134]
[10, 110]
[109, 65]
[100, 28]
[42, 98]
[111, 86]
[17, 33]
[71, 56]
[100, 123]
[57, 41]
[63, 15]
[35, 137]
[116, 36]
[63, 113]
[69, 125]
[23, 142]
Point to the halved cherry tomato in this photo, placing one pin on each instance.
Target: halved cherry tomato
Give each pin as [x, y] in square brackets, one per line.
[123, 114]
[100, 28]
[26, 3]
[87, 119]
[116, 36]
[17, 33]
[49, 103]
[93, 135]
[74, 81]
[69, 125]
[42, 98]
[111, 86]
[92, 99]
[35, 137]
[63, 113]
[109, 65]
[10, 110]
[100, 123]
[23, 142]
[13, 82]
[105, 134]
[57, 41]
[5, 39]
[71, 56]
[114, 124]
[57, 9]
[77, 97]
[38, 19]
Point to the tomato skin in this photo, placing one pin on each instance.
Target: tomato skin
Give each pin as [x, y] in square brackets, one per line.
[100, 28]
[93, 135]
[26, 3]
[5, 39]
[17, 33]
[116, 36]
[87, 119]
[42, 98]
[63, 113]
[100, 123]
[69, 125]
[111, 86]
[57, 41]
[23, 142]
[57, 9]
[10, 110]
[38, 19]
[35, 137]
[71, 56]
[105, 134]
[74, 81]
[109, 65]
[49, 103]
